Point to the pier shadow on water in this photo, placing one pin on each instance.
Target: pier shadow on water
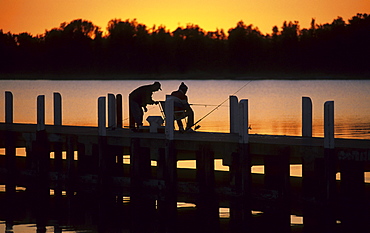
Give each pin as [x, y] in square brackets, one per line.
[28, 210]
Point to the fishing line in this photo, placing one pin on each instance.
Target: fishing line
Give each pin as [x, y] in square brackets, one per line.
[214, 109]
[150, 108]
[206, 105]
[219, 105]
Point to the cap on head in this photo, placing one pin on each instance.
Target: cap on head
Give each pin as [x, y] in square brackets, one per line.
[157, 85]
[183, 87]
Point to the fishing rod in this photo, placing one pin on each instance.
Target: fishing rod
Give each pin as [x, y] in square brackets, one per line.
[198, 126]
[210, 112]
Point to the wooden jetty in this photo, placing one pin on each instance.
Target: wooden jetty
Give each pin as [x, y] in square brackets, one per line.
[82, 161]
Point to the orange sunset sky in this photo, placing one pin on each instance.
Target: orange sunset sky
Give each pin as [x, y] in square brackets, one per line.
[36, 16]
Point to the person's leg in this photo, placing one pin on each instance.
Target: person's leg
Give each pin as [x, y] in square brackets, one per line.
[136, 115]
[181, 126]
[190, 114]
[140, 116]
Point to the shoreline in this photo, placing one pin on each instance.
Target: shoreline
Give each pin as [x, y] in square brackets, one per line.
[185, 76]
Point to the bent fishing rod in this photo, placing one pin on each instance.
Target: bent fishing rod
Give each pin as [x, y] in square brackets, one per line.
[214, 109]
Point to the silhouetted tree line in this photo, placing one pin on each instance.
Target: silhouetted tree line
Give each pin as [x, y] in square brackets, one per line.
[132, 47]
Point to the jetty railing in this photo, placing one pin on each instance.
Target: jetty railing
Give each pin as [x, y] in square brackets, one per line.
[93, 165]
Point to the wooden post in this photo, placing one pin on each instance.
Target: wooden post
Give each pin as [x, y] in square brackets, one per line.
[240, 169]
[40, 112]
[10, 150]
[102, 117]
[10, 156]
[306, 117]
[102, 152]
[119, 111]
[8, 107]
[167, 170]
[41, 154]
[58, 164]
[352, 190]
[243, 122]
[40, 192]
[167, 206]
[112, 117]
[57, 109]
[207, 204]
[142, 206]
[310, 171]
[328, 194]
[329, 125]
[277, 179]
[106, 197]
[58, 158]
[70, 143]
[329, 156]
[169, 128]
[352, 178]
[233, 104]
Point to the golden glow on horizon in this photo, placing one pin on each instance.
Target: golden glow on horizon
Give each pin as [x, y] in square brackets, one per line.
[37, 16]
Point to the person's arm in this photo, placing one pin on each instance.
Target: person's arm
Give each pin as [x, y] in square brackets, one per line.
[149, 99]
[186, 102]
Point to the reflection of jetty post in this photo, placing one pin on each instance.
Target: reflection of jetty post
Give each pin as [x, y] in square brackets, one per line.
[94, 167]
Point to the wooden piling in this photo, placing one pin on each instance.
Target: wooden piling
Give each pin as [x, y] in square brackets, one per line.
[58, 167]
[141, 205]
[329, 155]
[10, 149]
[167, 205]
[207, 204]
[103, 159]
[352, 192]
[169, 128]
[119, 111]
[71, 170]
[352, 176]
[102, 130]
[40, 187]
[308, 160]
[112, 117]
[139, 165]
[233, 106]
[330, 167]
[10, 155]
[311, 172]
[240, 169]
[58, 152]
[329, 125]
[57, 108]
[40, 112]
[306, 117]
[277, 179]
[8, 107]
[105, 198]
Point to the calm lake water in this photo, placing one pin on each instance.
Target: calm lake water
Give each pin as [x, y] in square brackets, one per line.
[274, 106]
